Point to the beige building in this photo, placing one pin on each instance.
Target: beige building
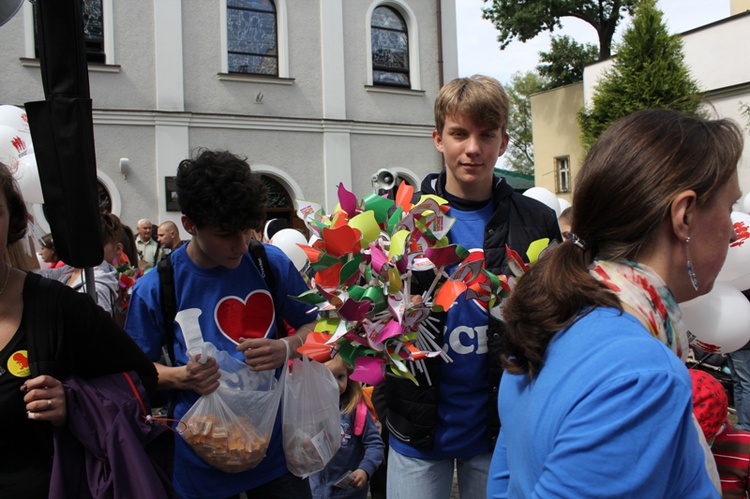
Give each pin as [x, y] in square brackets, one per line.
[717, 57]
[557, 150]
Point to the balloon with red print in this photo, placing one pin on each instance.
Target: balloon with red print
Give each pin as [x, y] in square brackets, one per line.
[737, 264]
[26, 174]
[719, 319]
[17, 152]
[13, 146]
[15, 117]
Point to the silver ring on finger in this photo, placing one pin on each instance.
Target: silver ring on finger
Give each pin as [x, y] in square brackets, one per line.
[49, 404]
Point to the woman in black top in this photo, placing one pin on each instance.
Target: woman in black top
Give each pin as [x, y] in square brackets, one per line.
[90, 344]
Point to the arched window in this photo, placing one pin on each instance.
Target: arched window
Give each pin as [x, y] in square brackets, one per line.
[105, 200]
[252, 41]
[390, 48]
[281, 205]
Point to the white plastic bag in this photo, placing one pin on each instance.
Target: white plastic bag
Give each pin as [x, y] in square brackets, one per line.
[311, 418]
[231, 427]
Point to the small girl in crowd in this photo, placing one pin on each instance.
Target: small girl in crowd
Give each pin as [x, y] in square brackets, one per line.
[48, 253]
[361, 449]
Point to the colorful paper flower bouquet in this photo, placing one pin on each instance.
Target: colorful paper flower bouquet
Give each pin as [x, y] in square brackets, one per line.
[363, 256]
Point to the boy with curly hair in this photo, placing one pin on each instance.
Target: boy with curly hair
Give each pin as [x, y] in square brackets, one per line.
[221, 202]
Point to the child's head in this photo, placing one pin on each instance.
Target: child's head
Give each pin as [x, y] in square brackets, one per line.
[482, 99]
[111, 228]
[710, 403]
[340, 371]
[217, 189]
[48, 252]
[349, 390]
[564, 220]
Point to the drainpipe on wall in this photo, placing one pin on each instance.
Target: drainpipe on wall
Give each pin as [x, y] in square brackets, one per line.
[438, 8]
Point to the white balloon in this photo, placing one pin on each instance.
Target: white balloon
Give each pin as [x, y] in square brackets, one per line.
[741, 283]
[737, 263]
[564, 204]
[746, 203]
[719, 320]
[26, 174]
[15, 117]
[13, 145]
[286, 240]
[544, 196]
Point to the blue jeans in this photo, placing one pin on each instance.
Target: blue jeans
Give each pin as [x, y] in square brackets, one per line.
[739, 365]
[414, 478]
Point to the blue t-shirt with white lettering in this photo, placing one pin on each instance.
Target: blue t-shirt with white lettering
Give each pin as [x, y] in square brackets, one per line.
[462, 409]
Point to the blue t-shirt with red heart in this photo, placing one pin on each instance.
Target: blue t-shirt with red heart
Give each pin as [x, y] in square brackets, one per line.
[234, 303]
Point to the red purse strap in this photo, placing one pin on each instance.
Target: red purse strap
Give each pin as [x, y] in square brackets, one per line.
[147, 417]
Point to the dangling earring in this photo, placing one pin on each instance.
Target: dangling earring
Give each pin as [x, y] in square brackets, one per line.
[691, 272]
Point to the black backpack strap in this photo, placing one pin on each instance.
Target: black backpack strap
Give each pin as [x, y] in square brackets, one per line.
[44, 329]
[168, 300]
[260, 258]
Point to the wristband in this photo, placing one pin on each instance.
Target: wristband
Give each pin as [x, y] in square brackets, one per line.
[288, 341]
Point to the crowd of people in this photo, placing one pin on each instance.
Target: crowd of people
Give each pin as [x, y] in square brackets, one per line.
[580, 391]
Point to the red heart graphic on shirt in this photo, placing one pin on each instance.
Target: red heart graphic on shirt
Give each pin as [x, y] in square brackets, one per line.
[250, 318]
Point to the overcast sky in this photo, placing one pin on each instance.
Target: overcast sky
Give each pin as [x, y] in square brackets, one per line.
[478, 50]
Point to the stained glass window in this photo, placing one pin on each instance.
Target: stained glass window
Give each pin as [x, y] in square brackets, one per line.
[93, 31]
[251, 37]
[390, 48]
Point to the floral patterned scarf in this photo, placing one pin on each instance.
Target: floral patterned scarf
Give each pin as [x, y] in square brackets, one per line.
[639, 287]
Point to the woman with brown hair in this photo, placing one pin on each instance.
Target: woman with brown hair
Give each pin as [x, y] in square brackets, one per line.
[84, 342]
[596, 400]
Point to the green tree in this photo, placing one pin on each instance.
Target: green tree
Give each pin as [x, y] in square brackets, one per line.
[564, 62]
[649, 71]
[520, 153]
[525, 19]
